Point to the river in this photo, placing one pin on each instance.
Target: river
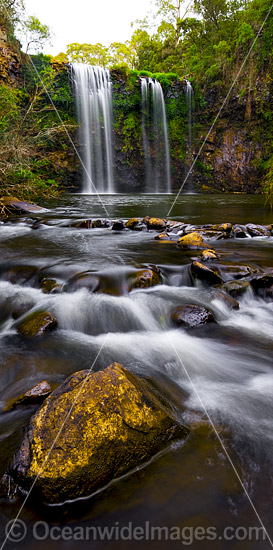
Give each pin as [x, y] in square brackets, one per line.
[223, 383]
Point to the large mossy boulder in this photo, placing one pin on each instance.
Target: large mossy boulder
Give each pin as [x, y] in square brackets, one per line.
[112, 421]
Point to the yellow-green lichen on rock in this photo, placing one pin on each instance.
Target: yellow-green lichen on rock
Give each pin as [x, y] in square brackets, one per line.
[112, 421]
[192, 241]
[36, 324]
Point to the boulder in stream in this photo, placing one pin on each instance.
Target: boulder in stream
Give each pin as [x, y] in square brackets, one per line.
[192, 241]
[144, 278]
[192, 315]
[236, 288]
[155, 223]
[112, 421]
[36, 324]
[204, 273]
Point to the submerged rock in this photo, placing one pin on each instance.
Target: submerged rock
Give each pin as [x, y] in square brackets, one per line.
[86, 279]
[236, 288]
[18, 274]
[50, 286]
[36, 324]
[36, 395]
[230, 302]
[116, 423]
[144, 278]
[192, 241]
[11, 205]
[192, 315]
[204, 273]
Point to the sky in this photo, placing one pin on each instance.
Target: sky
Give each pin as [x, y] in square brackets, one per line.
[90, 21]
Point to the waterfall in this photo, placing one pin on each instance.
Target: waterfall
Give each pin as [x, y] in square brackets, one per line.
[93, 92]
[155, 137]
[189, 97]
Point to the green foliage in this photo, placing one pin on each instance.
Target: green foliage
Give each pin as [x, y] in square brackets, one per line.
[267, 181]
[35, 34]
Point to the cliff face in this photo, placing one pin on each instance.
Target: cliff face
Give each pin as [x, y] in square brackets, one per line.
[10, 60]
[232, 157]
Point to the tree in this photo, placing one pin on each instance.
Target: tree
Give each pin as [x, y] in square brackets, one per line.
[92, 54]
[35, 34]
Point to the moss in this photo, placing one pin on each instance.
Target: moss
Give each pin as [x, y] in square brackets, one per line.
[115, 423]
[36, 324]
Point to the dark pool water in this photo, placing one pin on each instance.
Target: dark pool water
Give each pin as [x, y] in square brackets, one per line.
[225, 378]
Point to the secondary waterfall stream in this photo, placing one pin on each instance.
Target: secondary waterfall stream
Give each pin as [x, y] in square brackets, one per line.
[155, 137]
[93, 93]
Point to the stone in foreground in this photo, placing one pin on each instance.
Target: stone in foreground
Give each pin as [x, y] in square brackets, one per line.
[116, 423]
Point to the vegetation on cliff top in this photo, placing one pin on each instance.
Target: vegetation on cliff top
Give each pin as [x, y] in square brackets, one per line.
[207, 45]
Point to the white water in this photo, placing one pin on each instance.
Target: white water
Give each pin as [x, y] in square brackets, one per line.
[93, 92]
[189, 110]
[155, 137]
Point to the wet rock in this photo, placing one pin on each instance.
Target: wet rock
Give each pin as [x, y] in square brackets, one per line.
[211, 235]
[209, 254]
[86, 279]
[156, 223]
[117, 423]
[144, 278]
[36, 324]
[118, 225]
[239, 232]
[18, 274]
[204, 273]
[230, 271]
[49, 285]
[227, 227]
[15, 206]
[90, 224]
[192, 241]
[162, 237]
[192, 315]
[236, 288]
[262, 282]
[257, 230]
[134, 224]
[35, 396]
[86, 224]
[229, 302]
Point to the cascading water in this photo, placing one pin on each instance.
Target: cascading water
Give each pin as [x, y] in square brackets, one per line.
[93, 92]
[189, 97]
[155, 137]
